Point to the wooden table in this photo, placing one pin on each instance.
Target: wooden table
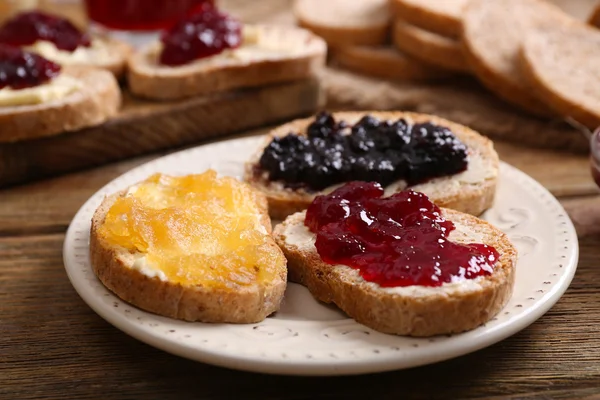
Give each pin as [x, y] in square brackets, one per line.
[52, 345]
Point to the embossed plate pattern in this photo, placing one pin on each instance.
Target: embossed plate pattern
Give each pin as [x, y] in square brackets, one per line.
[308, 338]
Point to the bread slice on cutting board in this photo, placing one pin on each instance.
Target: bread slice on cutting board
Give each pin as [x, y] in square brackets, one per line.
[385, 62]
[431, 48]
[471, 191]
[268, 55]
[345, 23]
[493, 32]
[236, 298]
[411, 310]
[562, 65]
[443, 17]
[77, 98]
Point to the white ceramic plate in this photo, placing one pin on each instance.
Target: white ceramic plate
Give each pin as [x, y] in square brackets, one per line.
[308, 338]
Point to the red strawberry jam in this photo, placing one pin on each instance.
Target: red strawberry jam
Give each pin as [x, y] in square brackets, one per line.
[401, 240]
[20, 69]
[28, 27]
[205, 33]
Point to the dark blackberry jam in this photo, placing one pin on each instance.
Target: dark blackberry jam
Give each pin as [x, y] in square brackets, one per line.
[20, 69]
[375, 150]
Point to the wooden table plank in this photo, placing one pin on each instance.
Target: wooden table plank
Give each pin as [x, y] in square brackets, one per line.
[54, 344]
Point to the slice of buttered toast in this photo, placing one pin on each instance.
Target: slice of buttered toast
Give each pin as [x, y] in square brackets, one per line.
[217, 264]
[471, 191]
[268, 55]
[408, 310]
[345, 23]
[561, 64]
[77, 98]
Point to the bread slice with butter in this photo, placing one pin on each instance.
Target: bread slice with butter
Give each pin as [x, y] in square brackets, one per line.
[268, 55]
[409, 310]
[471, 191]
[77, 98]
[195, 248]
[104, 52]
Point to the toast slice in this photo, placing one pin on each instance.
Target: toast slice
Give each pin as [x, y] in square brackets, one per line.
[120, 270]
[95, 98]
[471, 191]
[385, 62]
[562, 65]
[411, 310]
[492, 36]
[269, 55]
[105, 53]
[431, 48]
[345, 23]
[441, 17]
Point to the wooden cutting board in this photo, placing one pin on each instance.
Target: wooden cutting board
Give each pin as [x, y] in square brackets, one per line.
[143, 127]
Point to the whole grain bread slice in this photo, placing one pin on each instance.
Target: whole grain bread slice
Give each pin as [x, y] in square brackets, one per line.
[97, 98]
[113, 266]
[562, 64]
[471, 192]
[438, 16]
[385, 62]
[345, 23]
[280, 54]
[493, 32]
[413, 310]
[431, 48]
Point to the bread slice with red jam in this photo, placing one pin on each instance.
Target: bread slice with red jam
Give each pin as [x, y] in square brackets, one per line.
[210, 51]
[454, 165]
[399, 264]
[57, 39]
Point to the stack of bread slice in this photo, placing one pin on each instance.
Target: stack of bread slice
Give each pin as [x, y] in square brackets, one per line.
[359, 36]
[514, 48]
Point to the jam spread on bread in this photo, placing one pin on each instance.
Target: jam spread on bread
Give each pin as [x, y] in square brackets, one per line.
[401, 240]
[195, 229]
[204, 33]
[377, 150]
[26, 28]
[20, 69]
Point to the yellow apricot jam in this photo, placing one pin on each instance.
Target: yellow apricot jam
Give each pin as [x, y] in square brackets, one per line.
[195, 229]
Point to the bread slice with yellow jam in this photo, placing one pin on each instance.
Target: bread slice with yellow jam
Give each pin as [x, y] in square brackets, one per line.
[195, 247]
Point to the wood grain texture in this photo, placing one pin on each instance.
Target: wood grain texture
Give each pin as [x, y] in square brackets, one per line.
[143, 127]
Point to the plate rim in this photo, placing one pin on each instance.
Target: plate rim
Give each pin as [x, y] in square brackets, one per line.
[309, 367]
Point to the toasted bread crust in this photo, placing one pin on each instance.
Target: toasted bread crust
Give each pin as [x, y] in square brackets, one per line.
[548, 60]
[98, 100]
[495, 65]
[427, 15]
[339, 32]
[469, 198]
[440, 312]
[429, 47]
[148, 79]
[385, 62]
[112, 265]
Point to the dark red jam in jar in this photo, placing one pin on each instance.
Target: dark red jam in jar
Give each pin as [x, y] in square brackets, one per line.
[332, 152]
[28, 27]
[20, 69]
[401, 240]
[205, 33]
